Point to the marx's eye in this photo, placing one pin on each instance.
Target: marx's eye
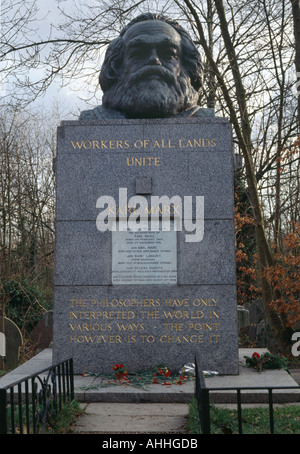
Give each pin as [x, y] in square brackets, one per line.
[168, 53]
[136, 53]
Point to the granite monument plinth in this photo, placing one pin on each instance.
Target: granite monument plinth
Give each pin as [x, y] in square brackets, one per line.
[138, 296]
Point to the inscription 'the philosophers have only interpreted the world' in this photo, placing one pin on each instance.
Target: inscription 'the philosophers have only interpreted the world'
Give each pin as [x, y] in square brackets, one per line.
[126, 320]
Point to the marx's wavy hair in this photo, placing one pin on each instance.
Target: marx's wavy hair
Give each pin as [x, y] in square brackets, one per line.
[112, 65]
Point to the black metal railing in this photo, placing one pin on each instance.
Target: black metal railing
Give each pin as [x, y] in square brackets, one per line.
[31, 405]
[203, 398]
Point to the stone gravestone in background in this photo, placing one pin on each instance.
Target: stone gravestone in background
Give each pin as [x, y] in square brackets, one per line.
[145, 297]
[13, 341]
[41, 335]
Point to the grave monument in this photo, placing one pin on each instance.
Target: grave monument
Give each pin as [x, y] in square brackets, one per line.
[145, 243]
[11, 341]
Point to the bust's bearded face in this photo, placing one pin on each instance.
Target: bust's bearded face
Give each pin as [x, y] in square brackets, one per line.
[153, 82]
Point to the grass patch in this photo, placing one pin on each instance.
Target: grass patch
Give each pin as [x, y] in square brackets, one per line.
[66, 418]
[61, 423]
[254, 420]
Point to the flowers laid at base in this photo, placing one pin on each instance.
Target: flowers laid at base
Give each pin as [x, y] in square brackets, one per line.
[160, 374]
[265, 361]
[120, 371]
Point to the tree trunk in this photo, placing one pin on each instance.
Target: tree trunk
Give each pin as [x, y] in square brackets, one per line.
[296, 18]
[211, 98]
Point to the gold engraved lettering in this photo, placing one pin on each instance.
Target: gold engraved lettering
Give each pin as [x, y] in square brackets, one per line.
[100, 144]
[150, 315]
[145, 161]
[174, 339]
[184, 314]
[107, 315]
[149, 339]
[90, 327]
[213, 314]
[131, 327]
[117, 320]
[165, 143]
[110, 339]
[177, 302]
[173, 326]
[79, 303]
[197, 143]
[204, 326]
[141, 143]
[205, 302]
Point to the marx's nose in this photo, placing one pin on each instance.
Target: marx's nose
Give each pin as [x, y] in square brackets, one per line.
[153, 58]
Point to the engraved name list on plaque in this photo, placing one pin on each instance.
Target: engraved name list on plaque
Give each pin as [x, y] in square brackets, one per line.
[144, 257]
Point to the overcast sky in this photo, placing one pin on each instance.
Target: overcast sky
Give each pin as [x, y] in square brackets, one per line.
[67, 97]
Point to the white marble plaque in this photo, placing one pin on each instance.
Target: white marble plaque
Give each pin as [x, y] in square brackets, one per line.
[144, 257]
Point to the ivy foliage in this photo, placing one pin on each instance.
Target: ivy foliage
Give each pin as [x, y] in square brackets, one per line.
[24, 303]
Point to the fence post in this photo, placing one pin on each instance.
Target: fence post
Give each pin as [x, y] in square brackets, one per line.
[271, 414]
[202, 396]
[3, 412]
[205, 411]
[72, 379]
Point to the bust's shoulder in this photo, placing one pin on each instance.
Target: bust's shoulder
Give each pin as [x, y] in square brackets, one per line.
[196, 112]
[100, 113]
[204, 112]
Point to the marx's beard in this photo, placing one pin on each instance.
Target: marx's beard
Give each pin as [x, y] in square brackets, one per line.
[152, 92]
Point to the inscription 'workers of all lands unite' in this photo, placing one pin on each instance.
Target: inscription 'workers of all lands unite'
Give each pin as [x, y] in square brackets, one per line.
[180, 320]
[142, 145]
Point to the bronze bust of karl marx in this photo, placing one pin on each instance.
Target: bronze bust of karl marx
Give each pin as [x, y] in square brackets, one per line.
[152, 70]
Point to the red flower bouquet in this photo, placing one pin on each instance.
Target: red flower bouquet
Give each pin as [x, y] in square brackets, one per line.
[120, 370]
